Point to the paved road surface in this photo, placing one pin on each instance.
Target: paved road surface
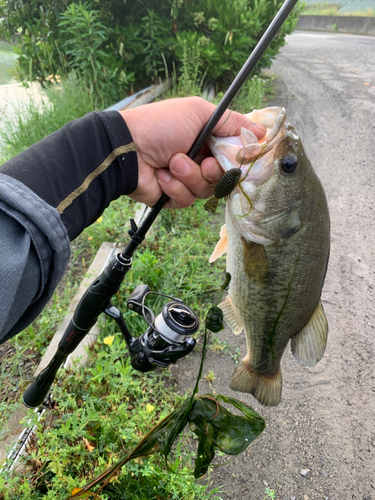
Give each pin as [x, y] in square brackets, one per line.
[326, 421]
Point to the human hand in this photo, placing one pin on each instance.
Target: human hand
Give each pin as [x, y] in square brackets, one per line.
[163, 132]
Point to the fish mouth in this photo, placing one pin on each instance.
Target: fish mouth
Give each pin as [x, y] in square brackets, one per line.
[256, 159]
[245, 151]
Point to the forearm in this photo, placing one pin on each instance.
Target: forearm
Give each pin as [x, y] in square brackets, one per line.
[80, 168]
[48, 195]
[34, 249]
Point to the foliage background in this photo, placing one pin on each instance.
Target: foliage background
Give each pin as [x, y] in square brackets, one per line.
[117, 46]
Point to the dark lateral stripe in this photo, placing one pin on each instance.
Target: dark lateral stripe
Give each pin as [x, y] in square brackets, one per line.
[95, 173]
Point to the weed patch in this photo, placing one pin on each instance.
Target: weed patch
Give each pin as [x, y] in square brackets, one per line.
[332, 9]
[34, 121]
[103, 409]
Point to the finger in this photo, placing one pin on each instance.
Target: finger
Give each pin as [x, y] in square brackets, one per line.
[181, 196]
[190, 174]
[211, 170]
[202, 154]
[229, 124]
[232, 122]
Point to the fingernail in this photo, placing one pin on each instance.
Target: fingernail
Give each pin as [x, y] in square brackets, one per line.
[163, 175]
[180, 165]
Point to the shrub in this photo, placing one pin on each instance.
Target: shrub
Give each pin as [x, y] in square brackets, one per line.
[118, 45]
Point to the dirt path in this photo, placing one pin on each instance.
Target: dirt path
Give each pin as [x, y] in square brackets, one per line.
[325, 423]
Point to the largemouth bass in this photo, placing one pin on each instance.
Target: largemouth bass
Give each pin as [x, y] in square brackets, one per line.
[277, 239]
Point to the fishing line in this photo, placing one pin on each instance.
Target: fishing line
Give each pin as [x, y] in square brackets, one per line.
[239, 184]
[221, 126]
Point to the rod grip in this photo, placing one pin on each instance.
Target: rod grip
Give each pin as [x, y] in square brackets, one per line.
[36, 393]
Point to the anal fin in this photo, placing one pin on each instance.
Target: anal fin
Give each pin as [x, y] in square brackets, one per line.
[230, 316]
[267, 390]
[309, 344]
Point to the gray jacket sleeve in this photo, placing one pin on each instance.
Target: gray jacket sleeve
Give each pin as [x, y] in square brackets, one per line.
[34, 250]
[48, 195]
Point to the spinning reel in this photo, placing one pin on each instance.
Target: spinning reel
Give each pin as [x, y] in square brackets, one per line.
[167, 338]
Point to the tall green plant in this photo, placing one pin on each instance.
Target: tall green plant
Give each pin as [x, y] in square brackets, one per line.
[116, 45]
[89, 54]
[32, 26]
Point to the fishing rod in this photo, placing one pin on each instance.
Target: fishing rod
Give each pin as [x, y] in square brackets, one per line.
[168, 337]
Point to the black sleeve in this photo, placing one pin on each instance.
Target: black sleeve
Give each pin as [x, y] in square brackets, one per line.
[80, 168]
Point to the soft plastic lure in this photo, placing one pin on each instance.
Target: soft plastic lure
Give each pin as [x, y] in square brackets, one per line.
[223, 188]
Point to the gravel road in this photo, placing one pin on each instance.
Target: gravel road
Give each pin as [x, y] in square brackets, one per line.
[320, 441]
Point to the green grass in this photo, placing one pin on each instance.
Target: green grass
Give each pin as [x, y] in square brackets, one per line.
[107, 402]
[7, 63]
[332, 9]
[252, 95]
[102, 411]
[60, 104]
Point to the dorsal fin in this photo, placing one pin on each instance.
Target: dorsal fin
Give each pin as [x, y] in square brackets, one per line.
[221, 246]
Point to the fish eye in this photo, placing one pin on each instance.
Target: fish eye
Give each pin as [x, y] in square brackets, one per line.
[289, 164]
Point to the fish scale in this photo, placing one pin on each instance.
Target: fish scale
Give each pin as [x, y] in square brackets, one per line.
[277, 254]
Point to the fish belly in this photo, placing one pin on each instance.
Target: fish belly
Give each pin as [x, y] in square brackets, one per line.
[273, 301]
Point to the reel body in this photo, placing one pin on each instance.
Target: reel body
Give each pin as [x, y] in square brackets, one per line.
[168, 336]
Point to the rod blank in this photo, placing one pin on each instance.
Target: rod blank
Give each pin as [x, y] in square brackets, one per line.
[237, 83]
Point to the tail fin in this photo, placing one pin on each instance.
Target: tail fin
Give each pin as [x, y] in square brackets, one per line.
[267, 390]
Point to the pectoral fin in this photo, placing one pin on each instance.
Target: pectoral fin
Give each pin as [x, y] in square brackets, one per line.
[230, 316]
[255, 261]
[309, 344]
[221, 246]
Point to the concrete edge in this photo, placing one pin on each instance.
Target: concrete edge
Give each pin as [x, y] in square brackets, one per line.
[13, 426]
[356, 25]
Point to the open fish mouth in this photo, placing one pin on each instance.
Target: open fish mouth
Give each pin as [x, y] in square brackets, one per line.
[253, 210]
[245, 151]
